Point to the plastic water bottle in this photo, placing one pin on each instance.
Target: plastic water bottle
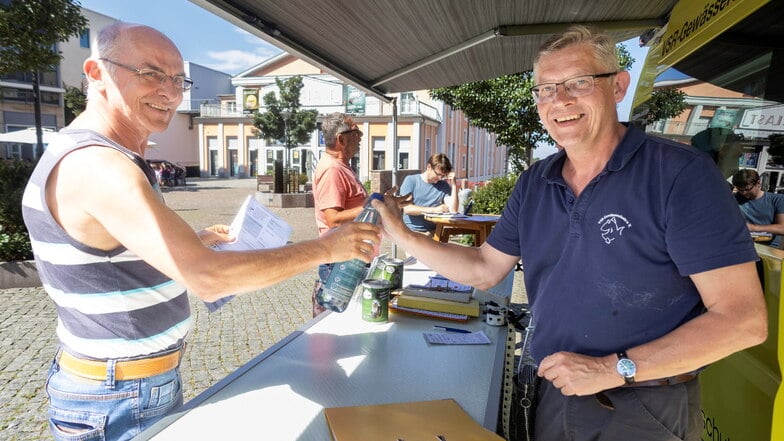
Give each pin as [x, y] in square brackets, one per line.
[344, 278]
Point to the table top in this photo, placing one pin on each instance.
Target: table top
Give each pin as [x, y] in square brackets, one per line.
[463, 220]
[341, 360]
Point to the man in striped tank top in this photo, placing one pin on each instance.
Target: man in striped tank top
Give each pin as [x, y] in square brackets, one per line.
[118, 263]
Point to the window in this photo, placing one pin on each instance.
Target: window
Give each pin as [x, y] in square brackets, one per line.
[403, 147]
[84, 39]
[379, 152]
[13, 151]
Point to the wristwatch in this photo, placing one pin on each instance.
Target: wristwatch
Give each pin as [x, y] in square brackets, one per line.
[626, 367]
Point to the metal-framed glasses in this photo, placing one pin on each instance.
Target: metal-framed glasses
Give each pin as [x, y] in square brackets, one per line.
[153, 76]
[575, 87]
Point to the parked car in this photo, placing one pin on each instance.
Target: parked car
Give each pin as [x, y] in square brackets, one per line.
[169, 174]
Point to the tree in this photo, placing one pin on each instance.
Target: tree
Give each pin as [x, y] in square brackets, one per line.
[665, 103]
[284, 120]
[505, 106]
[75, 103]
[29, 31]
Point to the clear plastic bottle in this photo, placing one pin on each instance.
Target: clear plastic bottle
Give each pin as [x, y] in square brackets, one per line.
[344, 278]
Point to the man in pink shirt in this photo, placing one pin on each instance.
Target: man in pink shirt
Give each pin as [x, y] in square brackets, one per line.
[338, 195]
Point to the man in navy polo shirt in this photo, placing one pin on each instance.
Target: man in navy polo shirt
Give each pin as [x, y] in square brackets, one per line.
[638, 265]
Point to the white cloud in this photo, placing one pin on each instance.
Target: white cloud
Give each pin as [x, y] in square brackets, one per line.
[235, 61]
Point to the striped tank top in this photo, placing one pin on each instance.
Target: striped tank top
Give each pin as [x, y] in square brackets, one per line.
[110, 304]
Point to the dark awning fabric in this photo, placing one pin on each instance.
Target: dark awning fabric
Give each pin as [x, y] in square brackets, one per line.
[387, 46]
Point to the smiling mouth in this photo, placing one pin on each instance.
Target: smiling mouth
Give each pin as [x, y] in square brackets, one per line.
[157, 107]
[566, 118]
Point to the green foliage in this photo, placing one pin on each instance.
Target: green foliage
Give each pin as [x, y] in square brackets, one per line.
[284, 120]
[491, 199]
[366, 184]
[29, 30]
[665, 103]
[75, 103]
[625, 59]
[505, 106]
[14, 240]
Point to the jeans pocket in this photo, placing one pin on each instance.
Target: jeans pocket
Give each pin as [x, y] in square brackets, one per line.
[69, 425]
[163, 394]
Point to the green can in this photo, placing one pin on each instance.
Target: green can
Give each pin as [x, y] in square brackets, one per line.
[388, 268]
[375, 300]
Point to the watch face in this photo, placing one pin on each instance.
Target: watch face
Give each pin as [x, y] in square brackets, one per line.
[626, 367]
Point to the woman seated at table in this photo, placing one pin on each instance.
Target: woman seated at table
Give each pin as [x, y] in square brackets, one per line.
[434, 191]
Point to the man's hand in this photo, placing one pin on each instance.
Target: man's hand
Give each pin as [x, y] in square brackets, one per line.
[214, 235]
[576, 374]
[355, 240]
[400, 200]
[390, 210]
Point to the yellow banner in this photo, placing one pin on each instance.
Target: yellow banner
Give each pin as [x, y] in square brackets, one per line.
[692, 24]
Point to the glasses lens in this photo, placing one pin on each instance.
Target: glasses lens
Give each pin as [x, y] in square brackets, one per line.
[579, 86]
[544, 93]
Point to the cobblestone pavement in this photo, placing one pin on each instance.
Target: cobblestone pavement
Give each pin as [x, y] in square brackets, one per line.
[218, 344]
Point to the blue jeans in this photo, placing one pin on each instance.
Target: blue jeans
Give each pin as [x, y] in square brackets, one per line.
[83, 409]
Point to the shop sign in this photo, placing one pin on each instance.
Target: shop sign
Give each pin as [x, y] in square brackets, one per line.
[250, 100]
[355, 101]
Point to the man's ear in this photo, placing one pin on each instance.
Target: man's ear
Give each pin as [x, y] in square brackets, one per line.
[621, 83]
[94, 73]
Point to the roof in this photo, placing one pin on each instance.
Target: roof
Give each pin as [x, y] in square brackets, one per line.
[388, 46]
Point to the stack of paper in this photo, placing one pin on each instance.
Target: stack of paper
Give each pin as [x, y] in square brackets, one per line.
[421, 420]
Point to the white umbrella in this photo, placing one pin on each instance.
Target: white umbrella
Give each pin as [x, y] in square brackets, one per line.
[26, 136]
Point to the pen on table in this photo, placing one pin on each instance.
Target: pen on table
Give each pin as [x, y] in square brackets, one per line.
[447, 329]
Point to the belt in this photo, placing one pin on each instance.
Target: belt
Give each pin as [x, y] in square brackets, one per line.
[669, 381]
[123, 369]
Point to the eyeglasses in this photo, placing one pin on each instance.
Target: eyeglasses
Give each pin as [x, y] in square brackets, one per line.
[575, 87]
[747, 189]
[153, 76]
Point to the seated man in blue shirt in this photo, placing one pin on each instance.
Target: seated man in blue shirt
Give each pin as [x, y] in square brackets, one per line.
[764, 211]
[430, 191]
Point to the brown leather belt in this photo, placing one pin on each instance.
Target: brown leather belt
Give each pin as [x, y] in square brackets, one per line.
[669, 381]
[123, 369]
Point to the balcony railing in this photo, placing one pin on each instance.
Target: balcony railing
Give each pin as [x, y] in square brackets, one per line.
[372, 108]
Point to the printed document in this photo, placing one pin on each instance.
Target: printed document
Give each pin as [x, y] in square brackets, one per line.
[255, 227]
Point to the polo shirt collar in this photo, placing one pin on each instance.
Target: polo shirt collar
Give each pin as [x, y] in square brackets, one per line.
[632, 140]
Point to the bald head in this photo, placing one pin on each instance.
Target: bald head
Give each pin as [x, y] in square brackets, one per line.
[117, 38]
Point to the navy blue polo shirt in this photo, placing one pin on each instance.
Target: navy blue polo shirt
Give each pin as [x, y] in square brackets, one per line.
[608, 270]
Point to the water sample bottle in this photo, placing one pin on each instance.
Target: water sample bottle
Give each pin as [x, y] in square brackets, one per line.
[344, 278]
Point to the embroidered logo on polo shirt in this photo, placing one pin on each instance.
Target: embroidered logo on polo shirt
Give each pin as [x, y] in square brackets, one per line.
[613, 226]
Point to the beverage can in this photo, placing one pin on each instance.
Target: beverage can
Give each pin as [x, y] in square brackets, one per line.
[375, 300]
[388, 268]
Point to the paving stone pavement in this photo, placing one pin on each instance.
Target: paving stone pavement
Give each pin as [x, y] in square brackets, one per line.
[218, 344]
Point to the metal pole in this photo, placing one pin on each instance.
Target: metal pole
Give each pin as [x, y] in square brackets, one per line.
[394, 156]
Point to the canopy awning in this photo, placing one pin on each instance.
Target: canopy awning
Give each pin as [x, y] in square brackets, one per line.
[387, 46]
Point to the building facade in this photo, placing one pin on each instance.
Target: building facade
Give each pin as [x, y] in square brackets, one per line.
[229, 145]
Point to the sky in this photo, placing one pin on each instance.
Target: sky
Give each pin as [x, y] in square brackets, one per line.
[206, 39]
[202, 37]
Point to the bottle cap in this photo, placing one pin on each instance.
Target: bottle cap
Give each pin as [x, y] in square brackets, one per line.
[377, 196]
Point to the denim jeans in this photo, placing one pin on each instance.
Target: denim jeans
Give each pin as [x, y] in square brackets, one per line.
[83, 409]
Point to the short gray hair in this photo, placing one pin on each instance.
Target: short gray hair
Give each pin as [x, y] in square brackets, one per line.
[604, 50]
[332, 125]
